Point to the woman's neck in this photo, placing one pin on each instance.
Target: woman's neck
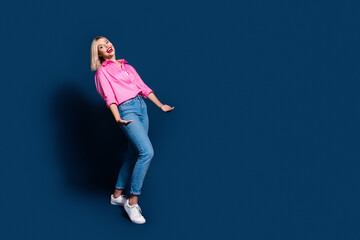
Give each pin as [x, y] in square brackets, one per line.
[112, 59]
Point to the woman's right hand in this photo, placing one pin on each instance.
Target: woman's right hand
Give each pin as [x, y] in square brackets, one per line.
[124, 122]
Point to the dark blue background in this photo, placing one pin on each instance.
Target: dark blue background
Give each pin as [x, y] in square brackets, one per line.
[263, 142]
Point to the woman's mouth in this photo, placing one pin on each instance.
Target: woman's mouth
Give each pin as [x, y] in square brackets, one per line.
[109, 50]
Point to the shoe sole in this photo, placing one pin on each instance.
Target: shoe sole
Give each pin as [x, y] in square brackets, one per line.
[117, 204]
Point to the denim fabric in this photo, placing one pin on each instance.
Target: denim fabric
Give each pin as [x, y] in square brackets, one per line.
[140, 150]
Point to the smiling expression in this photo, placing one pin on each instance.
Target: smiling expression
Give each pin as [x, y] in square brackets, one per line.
[105, 48]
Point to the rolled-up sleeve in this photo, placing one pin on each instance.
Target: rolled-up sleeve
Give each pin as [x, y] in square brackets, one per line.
[140, 83]
[104, 88]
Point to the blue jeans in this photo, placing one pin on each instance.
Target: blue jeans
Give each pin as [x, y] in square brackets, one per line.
[140, 151]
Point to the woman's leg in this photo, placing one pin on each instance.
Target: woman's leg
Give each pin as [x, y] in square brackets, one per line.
[126, 169]
[137, 133]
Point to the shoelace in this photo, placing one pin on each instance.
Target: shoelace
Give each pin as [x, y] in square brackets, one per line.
[139, 210]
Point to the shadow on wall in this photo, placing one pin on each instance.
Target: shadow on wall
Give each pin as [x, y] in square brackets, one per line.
[90, 145]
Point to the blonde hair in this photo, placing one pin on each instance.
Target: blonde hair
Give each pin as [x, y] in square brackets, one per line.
[95, 59]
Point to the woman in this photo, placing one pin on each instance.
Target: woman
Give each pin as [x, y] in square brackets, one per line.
[123, 91]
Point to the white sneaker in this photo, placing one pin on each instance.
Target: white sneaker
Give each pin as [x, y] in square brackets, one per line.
[119, 200]
[134, 213]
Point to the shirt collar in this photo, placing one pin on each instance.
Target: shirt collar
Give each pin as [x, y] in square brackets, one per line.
[106, 62]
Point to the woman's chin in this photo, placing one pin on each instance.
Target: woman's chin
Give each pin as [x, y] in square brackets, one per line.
[110, 55]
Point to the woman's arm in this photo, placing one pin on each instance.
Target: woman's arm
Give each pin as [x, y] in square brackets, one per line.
[103, 87]
[115, 111]
[156, 101]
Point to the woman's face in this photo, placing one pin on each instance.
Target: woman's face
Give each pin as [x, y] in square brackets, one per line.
[105, 48]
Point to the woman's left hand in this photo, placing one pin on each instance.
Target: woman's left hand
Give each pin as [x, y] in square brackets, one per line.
[166, 108]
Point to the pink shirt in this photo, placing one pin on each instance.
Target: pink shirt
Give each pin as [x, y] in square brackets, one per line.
[117, 84]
